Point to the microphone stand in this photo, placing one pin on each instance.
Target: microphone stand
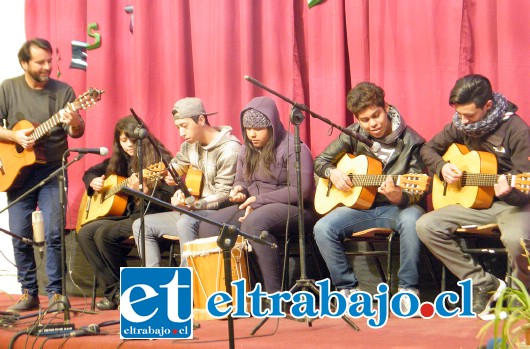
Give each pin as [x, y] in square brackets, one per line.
[226, 240]
[141, 133]
[304, 283]
[169, 168]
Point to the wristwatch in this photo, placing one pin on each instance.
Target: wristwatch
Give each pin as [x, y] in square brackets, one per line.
[327, 173]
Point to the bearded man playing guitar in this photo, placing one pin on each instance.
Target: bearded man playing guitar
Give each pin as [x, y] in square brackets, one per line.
[390, 207]
[33, 98]
[484, 122]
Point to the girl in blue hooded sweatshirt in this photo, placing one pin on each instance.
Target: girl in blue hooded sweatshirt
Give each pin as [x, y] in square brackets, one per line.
[264, 191]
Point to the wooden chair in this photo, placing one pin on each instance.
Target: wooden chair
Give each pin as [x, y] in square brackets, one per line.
[173, 256]
[485, 232]
[371, 236]
[386, 236]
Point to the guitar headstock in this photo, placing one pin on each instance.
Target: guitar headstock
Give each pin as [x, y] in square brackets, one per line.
[522, 182]
[414, 183]
[88, 99]
[155, 171]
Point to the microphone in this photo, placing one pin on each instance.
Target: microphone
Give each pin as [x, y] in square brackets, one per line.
[38, 231]
[101, 151]
[89, 330]
[202, 204]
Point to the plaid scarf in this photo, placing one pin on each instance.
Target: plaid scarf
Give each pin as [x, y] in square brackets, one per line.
[489, 123]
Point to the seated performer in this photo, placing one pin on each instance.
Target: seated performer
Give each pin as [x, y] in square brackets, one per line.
[265, 186]
[211, 150]
[483, 121]
[101, 239]
[399, 154]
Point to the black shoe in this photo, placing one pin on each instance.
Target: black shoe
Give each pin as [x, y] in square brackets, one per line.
[56, 302]
[26, 303]
[484, 297]
[106, 304]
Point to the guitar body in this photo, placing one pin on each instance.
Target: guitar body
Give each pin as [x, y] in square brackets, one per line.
[14, 160]
[100, 204]
[360, 197]
[467, 196]
[194, 181]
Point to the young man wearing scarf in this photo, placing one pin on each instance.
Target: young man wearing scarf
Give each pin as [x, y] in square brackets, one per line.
[484, 121]
[399, 153]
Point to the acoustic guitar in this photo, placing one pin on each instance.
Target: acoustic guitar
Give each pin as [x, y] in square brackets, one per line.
[479, 174]
[109, 201]
[15, 160]
[194, 182]
[366, 175]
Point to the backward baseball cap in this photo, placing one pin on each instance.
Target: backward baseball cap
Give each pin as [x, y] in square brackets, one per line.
[189, 107]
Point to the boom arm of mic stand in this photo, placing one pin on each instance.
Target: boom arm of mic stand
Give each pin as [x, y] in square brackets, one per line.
[304, 107]
[164, 204]
[21, 238]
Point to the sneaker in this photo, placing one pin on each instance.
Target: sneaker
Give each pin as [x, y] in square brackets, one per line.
[404, 302]
[26, 303]
[347, 292]
[56, 302]
[484, 298]
[107, 304]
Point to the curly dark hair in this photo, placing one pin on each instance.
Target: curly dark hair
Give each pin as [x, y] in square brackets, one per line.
[363, 95]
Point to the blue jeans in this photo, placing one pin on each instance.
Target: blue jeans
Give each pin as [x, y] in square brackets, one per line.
[47, 199]
[338, 224]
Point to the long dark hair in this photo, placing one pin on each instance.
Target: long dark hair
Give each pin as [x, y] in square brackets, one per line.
[254, 156]
[120, 162]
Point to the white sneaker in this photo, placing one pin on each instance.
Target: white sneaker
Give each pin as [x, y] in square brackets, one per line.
[346, 292]
[404, 302]
[488, 313]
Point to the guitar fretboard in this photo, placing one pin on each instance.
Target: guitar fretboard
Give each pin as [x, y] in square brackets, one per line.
[481, 179]
[46, 126]
[115, 189]
[370, 180]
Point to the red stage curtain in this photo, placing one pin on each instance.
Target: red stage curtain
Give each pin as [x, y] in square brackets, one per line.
[414, 49]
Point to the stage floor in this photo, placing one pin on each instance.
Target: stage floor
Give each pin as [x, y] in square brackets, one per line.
[283, 333]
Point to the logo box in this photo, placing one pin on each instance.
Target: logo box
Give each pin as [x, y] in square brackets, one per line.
[156, 303]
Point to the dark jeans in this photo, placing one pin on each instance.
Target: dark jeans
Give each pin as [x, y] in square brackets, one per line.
[47, 199]
[271, 218]
[101, 243]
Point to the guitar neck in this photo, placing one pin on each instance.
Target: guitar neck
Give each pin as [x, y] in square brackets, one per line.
[482, 179]
[55, 120]
[150, 174]
[114, 190]
[359, 180]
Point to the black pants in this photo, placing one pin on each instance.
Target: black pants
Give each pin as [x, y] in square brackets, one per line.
[101, 243]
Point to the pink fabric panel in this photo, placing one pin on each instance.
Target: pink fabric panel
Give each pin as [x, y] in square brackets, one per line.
[415, 50]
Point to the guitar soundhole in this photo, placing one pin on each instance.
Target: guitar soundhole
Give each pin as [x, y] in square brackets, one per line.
[19, 148]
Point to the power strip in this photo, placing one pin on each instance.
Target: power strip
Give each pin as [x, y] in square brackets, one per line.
[51, 330]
